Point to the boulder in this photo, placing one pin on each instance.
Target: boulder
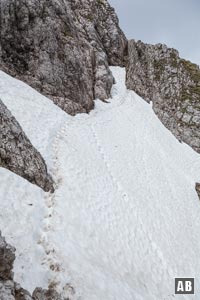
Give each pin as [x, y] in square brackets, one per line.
[18, 155]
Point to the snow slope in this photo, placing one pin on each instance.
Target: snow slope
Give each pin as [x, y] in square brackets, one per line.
[125, 217]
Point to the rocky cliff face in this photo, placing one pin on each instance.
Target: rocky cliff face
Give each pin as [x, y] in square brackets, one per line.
[9, 289]
[158, 74]
[17, 153]
[62, 48]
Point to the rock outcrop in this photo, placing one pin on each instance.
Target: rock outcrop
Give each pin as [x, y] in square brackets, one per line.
[62, 48]
[158, 74]
[9, 289]
[17, 153]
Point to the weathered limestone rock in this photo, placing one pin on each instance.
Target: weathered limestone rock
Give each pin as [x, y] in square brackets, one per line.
[62, 48]
[158, 74]
[7, 290]
[18, 155]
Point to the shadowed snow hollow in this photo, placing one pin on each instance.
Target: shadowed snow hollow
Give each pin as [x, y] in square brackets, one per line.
[125, 217]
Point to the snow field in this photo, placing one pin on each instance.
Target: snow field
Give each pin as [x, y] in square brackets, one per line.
[124, 219]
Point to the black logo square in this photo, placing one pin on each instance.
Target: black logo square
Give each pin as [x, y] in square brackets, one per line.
[184, 286]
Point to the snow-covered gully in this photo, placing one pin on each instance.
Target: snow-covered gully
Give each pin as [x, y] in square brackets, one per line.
[124, 219]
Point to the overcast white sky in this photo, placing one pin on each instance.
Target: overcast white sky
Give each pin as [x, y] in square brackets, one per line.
[173, 22]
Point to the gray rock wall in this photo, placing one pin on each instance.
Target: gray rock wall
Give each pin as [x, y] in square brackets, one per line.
[158, 74]
[17, 153]
[62, 48]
